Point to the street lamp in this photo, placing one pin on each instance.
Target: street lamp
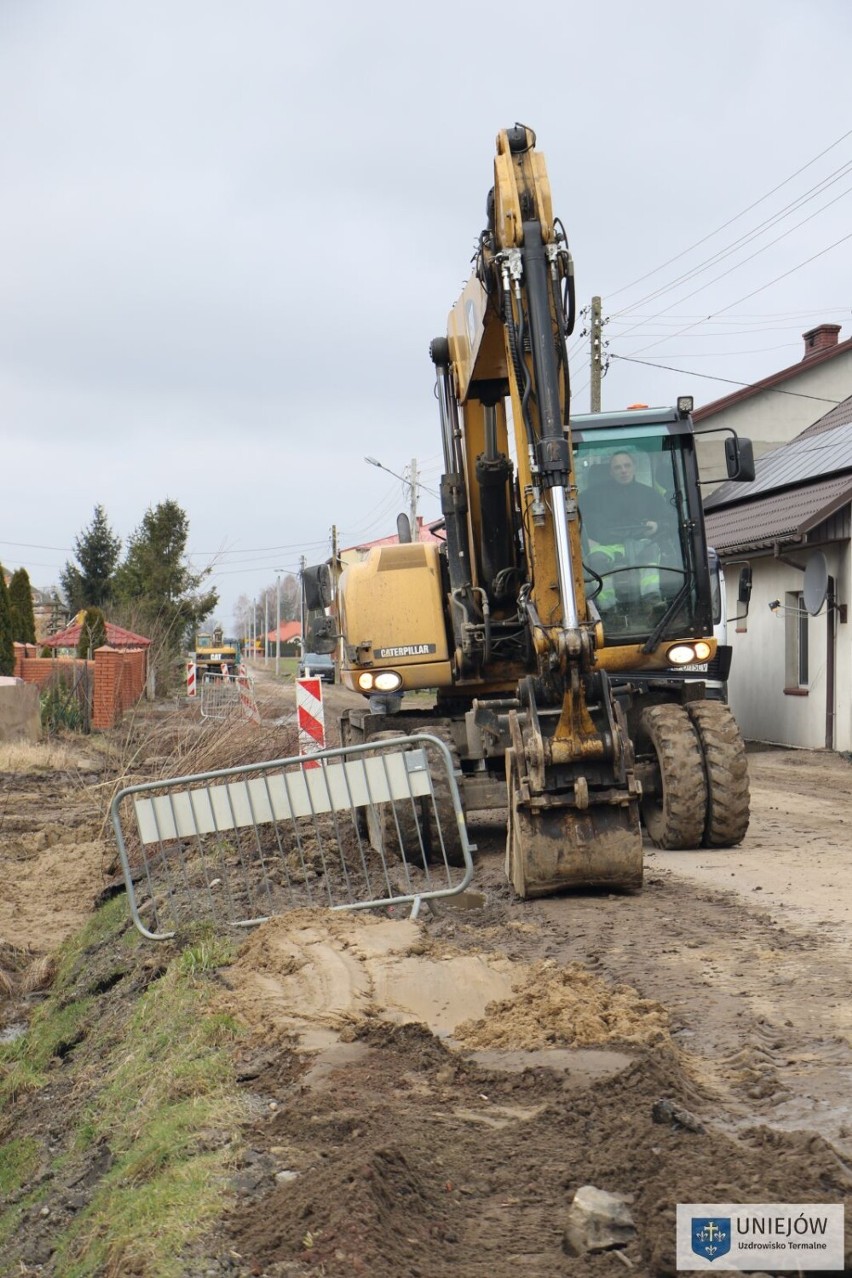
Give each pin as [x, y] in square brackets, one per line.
[412, 483]
[278, 572]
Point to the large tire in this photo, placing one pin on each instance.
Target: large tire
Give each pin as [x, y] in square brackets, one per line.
[726, 772]
[675, 814]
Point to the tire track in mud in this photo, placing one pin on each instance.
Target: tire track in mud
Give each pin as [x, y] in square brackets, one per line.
[760, 1009]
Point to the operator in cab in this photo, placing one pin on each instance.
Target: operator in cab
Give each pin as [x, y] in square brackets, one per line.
[621, 507]
[627, 529]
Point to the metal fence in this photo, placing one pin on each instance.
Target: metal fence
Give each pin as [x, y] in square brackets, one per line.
[228, 696]
[350, 828]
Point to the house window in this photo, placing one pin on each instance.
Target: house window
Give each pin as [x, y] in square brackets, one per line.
[796, 645]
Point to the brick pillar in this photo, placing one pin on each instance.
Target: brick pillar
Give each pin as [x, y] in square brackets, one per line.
[106, 707]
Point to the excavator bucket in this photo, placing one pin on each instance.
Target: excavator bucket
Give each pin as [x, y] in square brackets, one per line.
[552, 848]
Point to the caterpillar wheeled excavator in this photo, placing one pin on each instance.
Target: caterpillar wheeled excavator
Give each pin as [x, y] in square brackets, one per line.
[572, 578]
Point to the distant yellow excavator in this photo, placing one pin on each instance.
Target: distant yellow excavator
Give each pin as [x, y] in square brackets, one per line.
[570, 599]
[215, 655]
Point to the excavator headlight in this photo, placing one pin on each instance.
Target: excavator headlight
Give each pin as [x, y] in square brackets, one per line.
[384, 681]
[681, 654]
[685, 404]
[702, 650]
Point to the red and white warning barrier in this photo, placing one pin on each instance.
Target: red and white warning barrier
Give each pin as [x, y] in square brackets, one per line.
[310, 716]
[248, 704]
[191, 690]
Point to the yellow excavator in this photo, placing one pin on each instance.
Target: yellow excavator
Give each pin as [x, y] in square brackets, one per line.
[561, 620]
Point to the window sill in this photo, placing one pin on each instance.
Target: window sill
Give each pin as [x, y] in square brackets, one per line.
[795, 692]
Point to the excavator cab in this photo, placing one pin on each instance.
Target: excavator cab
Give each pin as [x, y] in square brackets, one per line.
[644, 556]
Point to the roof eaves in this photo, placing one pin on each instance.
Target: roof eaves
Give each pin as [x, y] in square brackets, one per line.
[768, 383]
[830, 508]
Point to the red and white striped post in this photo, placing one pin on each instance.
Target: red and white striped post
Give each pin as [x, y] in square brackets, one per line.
[248, 705]
[310, 717]
[190, 679]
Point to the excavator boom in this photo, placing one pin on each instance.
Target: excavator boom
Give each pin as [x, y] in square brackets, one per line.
[573, 799]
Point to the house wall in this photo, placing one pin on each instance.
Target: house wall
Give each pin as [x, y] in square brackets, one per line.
[843, 646]
[763, 700]
[769, 418]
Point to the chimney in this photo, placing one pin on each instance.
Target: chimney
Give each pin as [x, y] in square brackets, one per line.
[819, 339]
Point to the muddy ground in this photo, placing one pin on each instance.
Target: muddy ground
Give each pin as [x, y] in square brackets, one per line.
[399, 1128]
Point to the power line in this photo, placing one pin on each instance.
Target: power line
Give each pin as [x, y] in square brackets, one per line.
[31, 545]
[733, 219]
[255, 550]
[686, 372]
[737, 265]
[755, 350]
[762, 287]
[747, 238]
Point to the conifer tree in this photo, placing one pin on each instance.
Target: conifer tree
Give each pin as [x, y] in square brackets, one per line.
[21, 601]
[7, 651]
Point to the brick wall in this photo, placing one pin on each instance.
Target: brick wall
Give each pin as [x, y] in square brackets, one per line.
[42, 670]
[118, 673]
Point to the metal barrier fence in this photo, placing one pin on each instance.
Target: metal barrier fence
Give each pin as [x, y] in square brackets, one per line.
[227, 696]
[351, 828]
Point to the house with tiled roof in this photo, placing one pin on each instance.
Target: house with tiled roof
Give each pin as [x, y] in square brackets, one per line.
[116, 636]
[289, 634]
[790, 531]
[774, 410]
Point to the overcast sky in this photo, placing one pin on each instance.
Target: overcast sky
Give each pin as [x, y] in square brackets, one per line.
[228, 233]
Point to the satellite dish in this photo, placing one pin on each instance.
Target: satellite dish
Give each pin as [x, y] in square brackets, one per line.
[815, 588]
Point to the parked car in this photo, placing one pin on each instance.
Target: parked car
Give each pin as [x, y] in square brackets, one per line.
[318, 664]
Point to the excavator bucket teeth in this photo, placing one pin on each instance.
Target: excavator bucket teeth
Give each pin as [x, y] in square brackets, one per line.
[552, 849]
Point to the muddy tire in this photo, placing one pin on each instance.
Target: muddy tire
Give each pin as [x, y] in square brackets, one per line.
[726, 773]
[675, 814]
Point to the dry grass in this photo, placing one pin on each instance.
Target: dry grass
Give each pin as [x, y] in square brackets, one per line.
[51, 755]
[22, 972]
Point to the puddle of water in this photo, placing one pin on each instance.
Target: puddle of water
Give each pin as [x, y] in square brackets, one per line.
[460, 902]
[332, 1056]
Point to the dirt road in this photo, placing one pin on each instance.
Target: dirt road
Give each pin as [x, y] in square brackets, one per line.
[401, 1129]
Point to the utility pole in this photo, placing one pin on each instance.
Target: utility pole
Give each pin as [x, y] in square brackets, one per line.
[302, 565]
[266, 627]
[415, 534]
[277, 621]
[595, 329]
[334, 554]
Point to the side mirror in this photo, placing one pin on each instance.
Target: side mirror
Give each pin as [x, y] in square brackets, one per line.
[739, 459]
[318, 588]
[744, 591]
[322, 636]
